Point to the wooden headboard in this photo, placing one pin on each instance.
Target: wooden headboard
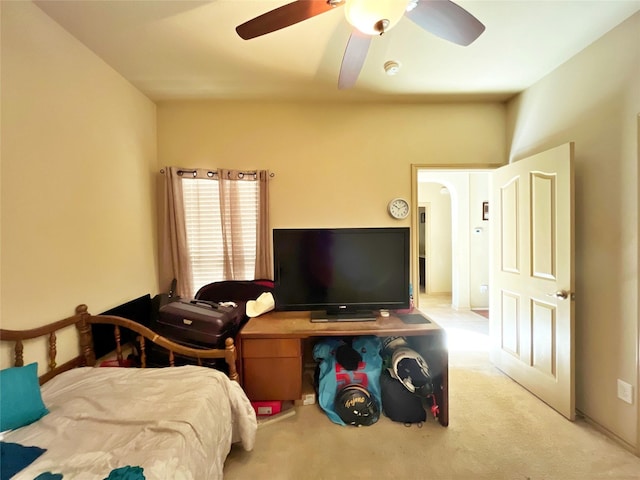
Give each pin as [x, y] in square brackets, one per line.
[83, 321]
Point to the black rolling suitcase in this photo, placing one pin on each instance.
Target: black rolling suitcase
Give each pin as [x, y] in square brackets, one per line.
[196, 324]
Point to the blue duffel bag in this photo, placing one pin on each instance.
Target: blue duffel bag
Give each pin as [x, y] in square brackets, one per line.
[349, 394]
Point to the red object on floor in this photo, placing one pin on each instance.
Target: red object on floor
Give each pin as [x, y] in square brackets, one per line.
[266, 408]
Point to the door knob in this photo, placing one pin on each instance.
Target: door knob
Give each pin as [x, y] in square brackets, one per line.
[560, 294]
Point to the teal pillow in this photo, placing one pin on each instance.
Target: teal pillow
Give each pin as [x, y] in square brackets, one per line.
[20, 399]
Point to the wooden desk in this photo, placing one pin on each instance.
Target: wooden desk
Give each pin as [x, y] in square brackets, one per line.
[271, 349]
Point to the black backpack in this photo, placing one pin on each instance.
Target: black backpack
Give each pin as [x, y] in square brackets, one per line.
[398, 403]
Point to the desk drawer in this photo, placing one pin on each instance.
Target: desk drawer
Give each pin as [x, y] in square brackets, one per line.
[271, 348]
[273, 378]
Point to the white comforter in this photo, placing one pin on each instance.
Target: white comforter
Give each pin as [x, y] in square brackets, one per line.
[176, 423]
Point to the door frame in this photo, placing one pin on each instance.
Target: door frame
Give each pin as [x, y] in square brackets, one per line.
[637, 397]
[427, 245]
[415, 239]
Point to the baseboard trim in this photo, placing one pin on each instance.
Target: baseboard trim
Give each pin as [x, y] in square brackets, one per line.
[608, 433]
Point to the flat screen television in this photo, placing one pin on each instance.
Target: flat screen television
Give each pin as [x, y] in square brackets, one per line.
[341, 273]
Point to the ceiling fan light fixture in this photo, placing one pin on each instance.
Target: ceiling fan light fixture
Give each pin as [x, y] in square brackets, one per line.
[374, 17]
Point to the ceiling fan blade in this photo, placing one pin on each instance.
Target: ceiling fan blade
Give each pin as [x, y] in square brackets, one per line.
[282, 17]
[446, 20]
[353, 59]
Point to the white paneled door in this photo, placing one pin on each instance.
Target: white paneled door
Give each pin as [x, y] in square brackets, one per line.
[532, 275]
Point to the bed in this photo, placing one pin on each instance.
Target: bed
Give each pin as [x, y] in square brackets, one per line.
[125, 423]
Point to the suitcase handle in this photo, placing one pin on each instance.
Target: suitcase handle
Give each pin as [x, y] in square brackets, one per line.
[208, 303]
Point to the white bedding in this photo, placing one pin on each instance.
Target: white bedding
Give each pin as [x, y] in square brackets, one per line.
[176, 423]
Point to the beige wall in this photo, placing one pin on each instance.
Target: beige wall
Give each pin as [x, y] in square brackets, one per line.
[478, 241]
[78, 152]
[439, 260]
[335, 165]
[594, 100]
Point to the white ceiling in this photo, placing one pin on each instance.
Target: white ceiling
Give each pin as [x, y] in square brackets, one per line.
[189, 49]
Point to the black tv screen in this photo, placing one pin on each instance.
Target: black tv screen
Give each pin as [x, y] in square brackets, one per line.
[341, 270]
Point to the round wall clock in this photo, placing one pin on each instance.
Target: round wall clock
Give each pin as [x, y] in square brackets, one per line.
[399, 208]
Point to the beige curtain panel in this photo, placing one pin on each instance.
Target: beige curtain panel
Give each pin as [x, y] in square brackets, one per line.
[173, 242]
[264, 261]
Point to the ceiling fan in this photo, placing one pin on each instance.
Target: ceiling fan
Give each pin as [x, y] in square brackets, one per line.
[442, 18]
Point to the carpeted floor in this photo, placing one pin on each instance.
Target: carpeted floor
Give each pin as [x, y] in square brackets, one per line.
[497, 431]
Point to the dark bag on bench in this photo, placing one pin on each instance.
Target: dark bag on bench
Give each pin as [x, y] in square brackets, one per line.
[398, 403]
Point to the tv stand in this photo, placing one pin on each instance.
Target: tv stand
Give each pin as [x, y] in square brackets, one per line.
[337, 316]
[274, 349]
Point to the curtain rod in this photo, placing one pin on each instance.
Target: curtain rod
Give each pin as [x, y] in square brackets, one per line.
[211, 173]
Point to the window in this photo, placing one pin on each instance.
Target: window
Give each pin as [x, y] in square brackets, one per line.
[215, 227]
[210, 241]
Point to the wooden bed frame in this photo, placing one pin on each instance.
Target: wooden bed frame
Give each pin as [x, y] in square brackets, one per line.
[83, 321]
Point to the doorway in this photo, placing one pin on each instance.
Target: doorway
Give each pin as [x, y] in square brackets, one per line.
[435, 246]
[425, 241]
[452, 257]
[452, 236]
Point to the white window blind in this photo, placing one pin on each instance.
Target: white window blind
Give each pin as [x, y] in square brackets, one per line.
[205, 240]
